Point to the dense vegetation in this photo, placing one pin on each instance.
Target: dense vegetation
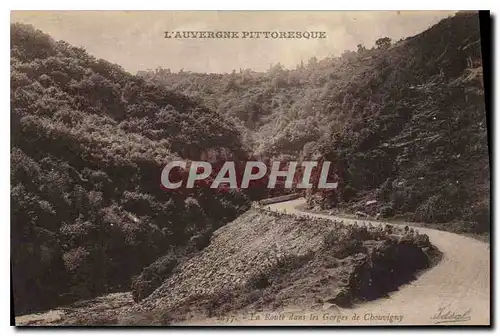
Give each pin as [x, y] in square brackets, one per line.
[89, 142]
[404, 122]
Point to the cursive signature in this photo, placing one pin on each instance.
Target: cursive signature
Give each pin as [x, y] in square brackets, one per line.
[446, 315]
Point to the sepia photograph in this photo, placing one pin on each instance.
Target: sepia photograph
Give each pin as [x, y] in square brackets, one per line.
[250, 168]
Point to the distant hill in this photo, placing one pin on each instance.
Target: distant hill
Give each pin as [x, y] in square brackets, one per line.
[88, 145]
[404, 121]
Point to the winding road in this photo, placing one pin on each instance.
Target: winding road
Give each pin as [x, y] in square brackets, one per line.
[454, 292]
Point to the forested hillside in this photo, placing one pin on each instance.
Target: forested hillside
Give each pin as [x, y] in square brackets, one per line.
[403, 121]
[88, 145]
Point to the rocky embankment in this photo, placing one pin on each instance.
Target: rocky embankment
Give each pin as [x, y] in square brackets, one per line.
[266, 261]
[269, 261]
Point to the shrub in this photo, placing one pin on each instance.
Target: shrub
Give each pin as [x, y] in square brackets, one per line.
[152, 277]
[436, 209]
[348, 193]
[387, 211]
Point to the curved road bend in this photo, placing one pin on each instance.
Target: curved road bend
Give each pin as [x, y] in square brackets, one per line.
[458, 284]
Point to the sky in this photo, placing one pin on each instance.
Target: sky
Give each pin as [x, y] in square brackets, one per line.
[135, 39]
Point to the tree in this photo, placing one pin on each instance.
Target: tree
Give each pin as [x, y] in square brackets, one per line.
[361, 48]
[383, 43]
[312, 62]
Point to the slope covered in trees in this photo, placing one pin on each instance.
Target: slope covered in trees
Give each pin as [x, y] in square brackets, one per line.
[404, 122]
[88, 145]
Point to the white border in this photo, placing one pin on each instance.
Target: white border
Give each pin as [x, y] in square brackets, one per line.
[183, 5]
[256, 5]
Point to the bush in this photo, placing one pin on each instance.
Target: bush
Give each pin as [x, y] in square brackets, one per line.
[348, 193]
[436, 209]
[387, 211]
[152, 277]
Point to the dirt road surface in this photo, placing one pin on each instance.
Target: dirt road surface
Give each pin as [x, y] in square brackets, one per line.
[454, 292]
